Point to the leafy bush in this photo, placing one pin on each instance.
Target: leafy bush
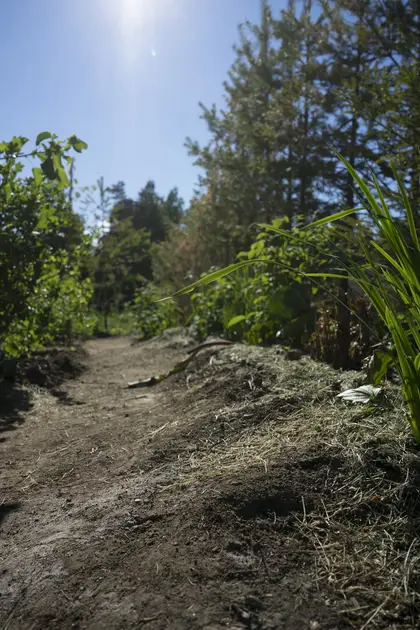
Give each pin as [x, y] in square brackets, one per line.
[274, 300]
[207, 306]
[146, 316]
[117, 323]
[121, 265]
[252, 308]
[44, 291]
[153, 316]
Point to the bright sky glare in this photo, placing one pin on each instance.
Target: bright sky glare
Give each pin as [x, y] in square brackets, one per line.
[124, 75]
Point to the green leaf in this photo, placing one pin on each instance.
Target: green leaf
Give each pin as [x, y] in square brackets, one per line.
[408, 208]
[37, 173]
[62, 176]
[381, 363]
[56, 158]
[3, 147]
[43, 223]
[16, 143]
[363, 394]
[236, 320]
[77, 144]
[327, 275]
[388, 257]
[273, 228]
[42, 136]
[48, 168]
[7, 191]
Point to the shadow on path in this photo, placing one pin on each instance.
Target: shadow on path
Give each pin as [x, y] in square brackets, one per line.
[6, 509]
[14, 401]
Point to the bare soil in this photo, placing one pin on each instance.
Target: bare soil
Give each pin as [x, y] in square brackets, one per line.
[227, 496]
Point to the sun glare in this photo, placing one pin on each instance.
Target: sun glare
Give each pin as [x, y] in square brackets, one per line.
[134, 25]
[132, 14]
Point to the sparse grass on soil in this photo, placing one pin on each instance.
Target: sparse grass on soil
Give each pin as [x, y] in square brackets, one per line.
[238, 494]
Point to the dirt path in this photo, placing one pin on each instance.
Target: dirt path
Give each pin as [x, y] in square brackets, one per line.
[154, 507]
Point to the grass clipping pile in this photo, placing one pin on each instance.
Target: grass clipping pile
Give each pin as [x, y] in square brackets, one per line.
[318, 478]
[237, 493]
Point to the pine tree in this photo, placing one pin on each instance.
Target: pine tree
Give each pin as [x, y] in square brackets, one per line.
[350, 55]
[394, 105]
[301, 99]
[265, 157]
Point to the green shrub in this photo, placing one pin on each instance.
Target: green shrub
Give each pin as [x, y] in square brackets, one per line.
[44, 291]
[151, 315]
[270, 298]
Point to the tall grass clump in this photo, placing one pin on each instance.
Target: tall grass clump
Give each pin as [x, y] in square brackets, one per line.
[390, 278]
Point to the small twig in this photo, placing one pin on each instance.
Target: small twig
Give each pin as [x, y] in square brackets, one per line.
[406, 576]
[208, 344]
[157, 430]
[149, 619]
[304, 509]
[66, 596]
[179, 367]
[375, 612]
[67, 473]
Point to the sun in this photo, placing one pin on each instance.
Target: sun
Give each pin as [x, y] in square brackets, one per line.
[134, 25]
[133, 14]
[135, 28]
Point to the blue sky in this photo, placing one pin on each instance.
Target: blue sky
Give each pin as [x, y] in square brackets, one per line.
[125, 75]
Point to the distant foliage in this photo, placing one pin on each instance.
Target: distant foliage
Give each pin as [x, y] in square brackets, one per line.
[191, 248]
[153, 317]
[129, 231]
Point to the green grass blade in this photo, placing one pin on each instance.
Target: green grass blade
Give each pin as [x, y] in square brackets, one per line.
[408, 208]
[389, 258]
[362, 184]
[327, 275]
[333, 217]
[212, 277]
[380, 195]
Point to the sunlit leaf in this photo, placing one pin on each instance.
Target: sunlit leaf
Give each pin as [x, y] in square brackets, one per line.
[62, 176]
[236, 320]
[7, 191]
[363, 394]
[381, 362]
[77, 144]
[41, 137]
[333, 217]
[37, 173]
